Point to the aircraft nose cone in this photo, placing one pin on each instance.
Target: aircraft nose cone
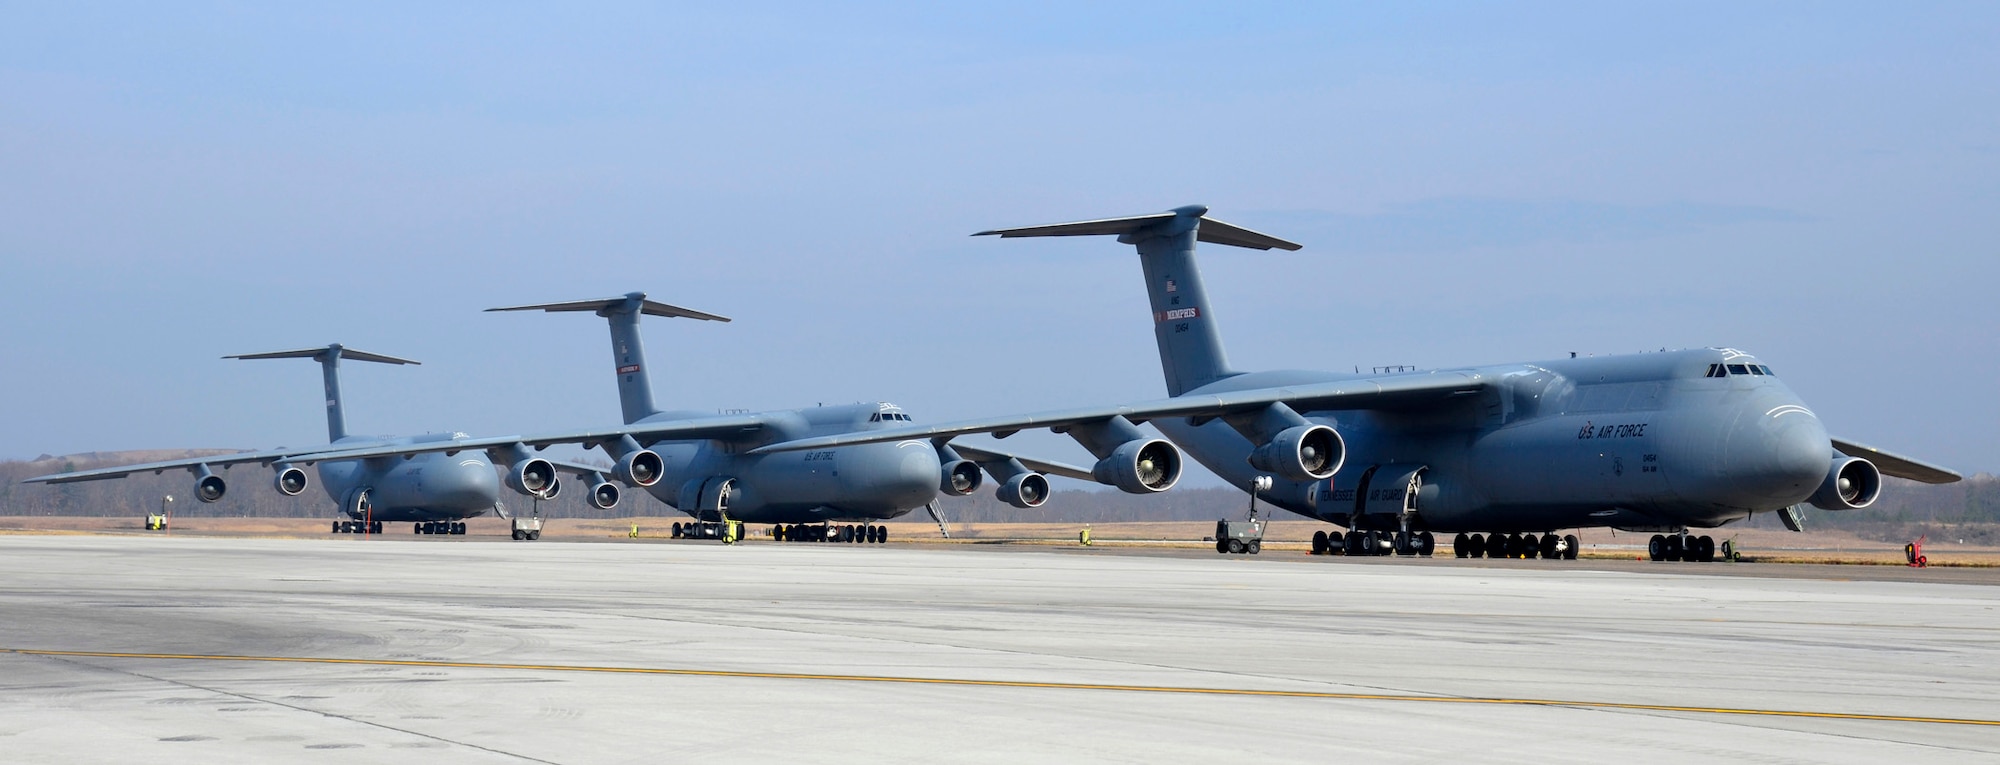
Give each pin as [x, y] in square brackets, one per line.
[1779, 454]
[468, 485]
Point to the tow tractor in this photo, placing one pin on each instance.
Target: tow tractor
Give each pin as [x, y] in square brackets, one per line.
[1244, 536]
[525, 529]
[726, 530]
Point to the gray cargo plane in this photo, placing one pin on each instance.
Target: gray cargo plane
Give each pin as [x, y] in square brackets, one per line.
[1504, 456]
[704, 465]
[436, 493]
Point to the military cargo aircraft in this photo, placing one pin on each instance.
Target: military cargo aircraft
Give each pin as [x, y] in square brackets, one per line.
[436, 494]
[705, 464]
[1504, 456]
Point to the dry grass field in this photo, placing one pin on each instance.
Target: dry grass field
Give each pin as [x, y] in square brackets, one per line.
[1285, 537]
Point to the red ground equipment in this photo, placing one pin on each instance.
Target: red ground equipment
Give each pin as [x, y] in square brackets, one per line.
[1915, 552]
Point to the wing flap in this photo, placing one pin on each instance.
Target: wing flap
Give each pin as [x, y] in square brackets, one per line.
[217, 461]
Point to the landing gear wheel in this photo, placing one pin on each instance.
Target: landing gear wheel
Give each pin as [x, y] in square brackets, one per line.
[1676, 548]
[881, 535]
[1400, 543]
[1475, 545]
[1707, 552]
[1461, 546]
[676, 531]
[1426, 544]
[1569, 552]
[1319, 543]
[1548, 545]
[336, 528]
[1656, 548]
[1336, 543]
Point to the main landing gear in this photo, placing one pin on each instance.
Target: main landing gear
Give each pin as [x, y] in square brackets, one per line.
[847, 534]
[1546, 546]
[357, 527]
[1681, 547]
[1374, 543]
[439, 527]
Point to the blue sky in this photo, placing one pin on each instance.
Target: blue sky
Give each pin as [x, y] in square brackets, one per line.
[1816, 183]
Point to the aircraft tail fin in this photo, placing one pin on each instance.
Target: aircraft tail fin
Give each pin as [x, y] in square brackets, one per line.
[1190, 347]
[329, 361]
[635, 387]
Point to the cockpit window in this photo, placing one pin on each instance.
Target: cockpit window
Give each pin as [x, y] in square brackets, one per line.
[876, 417]
[1714, 370]
[1756, 370]
[1767, 370]
[1738, 369]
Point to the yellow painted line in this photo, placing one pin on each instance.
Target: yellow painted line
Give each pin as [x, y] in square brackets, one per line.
[1025, 684]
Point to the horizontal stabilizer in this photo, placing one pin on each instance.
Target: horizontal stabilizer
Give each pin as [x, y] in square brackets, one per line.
[346, 354]
[1896, 464]
[1211, 230]
[605, 307]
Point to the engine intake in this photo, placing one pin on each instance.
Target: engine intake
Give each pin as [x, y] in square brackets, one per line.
[641, 468]
[290, 481]
[604, 495]
[1851, 484]
[209, 487]
[1140, 467]
[1025, 490]
[1302, 453]
[960, 477]
[534, 477]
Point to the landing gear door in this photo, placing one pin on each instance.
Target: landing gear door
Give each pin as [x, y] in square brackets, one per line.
[1337, 499]
[1393, 489]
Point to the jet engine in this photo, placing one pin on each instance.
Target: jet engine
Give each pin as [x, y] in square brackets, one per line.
[640, 468]
[1141, 466]
[960, 477]
[1302, 453]
[534, 477]
[209, 487]
[1025, 490]
[1851, 484]
[604, 495]
[290, 481]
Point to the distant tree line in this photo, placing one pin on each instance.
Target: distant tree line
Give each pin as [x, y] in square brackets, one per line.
[1904, 506]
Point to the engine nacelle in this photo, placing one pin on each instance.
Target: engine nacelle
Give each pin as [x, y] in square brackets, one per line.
[1025, 490]
[604, 495]
[1851, 484]
[1140, 467]
[960, 477]
[1302, 453]
[534, 477]
[290, 481]
[209, 487]
[641, 468]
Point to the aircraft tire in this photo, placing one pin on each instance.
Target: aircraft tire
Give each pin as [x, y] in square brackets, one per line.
[1426, 544]
[1707, 550]
[1656, 548]
[1676, 548]
[1336, 543]
[1570, 540]
[1459, 545]
[1548, 545]
[375, 528]
[1319, 543]
[881, 535]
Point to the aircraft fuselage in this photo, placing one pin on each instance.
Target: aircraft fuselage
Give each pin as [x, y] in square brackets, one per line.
[862, 482]
[426, 487]
[1640, 442]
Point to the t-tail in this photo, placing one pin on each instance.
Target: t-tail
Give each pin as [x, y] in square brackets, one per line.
[635, 388]
[329, 362]
[1190, 347]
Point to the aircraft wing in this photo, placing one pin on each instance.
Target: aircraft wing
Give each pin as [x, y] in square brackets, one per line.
[217, 461]
[983, 456]
[722, 427]
[579, 468]
[1896, 464]
[1394, 392]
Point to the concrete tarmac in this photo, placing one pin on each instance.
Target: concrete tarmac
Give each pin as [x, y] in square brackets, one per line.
[123, 649]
